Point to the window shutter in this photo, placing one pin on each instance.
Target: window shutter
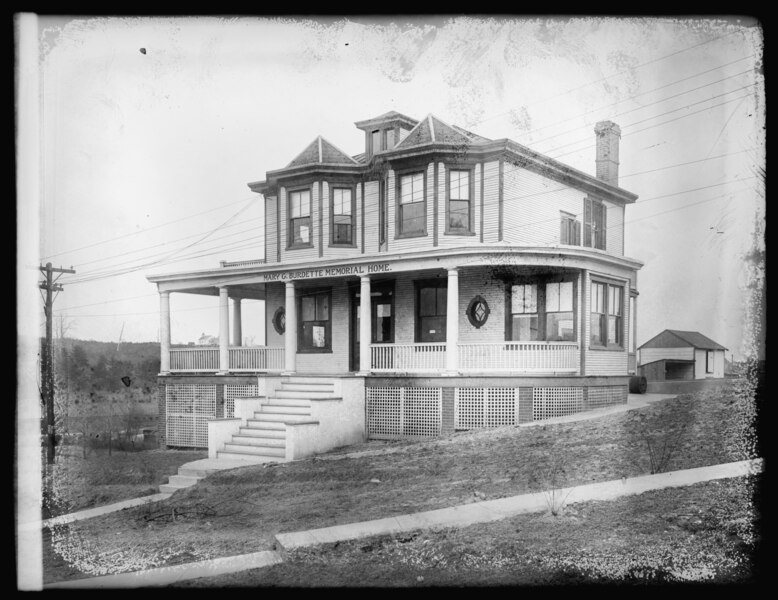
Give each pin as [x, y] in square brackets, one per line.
[563, 229]
[587, 225]
[604, 227]
[577, 233]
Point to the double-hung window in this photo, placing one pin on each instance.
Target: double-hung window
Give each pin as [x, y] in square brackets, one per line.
[342, 224]
[570, 231]
[607, 315]
[412, 210]
[594, 225]
[459, 201]
[542, 311]
[431, 307]
[524, 312]
[315, 329]
[300, 218]
[560, 318]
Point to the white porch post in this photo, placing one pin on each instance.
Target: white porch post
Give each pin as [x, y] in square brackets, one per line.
[164, 332]
[237, 330]
[365, 335]
[452, 322]
[290, 331]
[224, 330]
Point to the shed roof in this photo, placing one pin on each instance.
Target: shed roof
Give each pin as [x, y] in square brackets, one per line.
[669, 339]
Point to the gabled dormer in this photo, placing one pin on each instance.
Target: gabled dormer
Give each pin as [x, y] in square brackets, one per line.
[385, 131]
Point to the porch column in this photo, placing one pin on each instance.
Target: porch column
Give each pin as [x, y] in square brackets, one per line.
[164, 332]
[237, 331]
[365, 336]
[452, 322]
[290, 331]
[224, 330]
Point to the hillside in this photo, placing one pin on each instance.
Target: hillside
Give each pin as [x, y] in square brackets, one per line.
[87, 365]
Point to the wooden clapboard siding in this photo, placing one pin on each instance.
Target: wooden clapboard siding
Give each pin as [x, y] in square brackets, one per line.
[307, 253]
[337, 361]
[458, 240]
[271, 230]
[410, 243]
[699, 364]
[491, 201]
[648, 355]
[335, 252]
[614, 238]
[532, 207]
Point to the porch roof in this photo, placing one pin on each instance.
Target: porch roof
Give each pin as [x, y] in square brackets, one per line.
[249, 281]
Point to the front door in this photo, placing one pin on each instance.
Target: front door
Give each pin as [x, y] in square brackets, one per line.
[381, 315]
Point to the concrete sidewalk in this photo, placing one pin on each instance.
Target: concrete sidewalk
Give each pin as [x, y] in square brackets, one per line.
[102, 510]
[493, 510]
[457, 516]
[174, 574]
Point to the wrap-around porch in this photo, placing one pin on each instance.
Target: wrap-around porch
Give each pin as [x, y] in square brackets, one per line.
[372, 351]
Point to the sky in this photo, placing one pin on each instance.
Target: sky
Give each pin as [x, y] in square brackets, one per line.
[151, 128]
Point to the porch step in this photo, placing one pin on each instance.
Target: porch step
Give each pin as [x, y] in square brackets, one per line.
[180, 481]
[297, 395]
[307, 387]
[262, 432]
[286, 410]
[307, 381]
[300, 400]
[254, 450]
[254, 459]
[256, 424]
[258, 442]
[265, 418]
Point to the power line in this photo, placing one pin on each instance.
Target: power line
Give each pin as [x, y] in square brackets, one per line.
[661, 58]
[531, 131]
[631, 110]
[144, 230]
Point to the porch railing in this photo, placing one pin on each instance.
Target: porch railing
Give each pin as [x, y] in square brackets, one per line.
[408, 357]
[241, 358]
[519, 356]
[194, 359]
[256, 358]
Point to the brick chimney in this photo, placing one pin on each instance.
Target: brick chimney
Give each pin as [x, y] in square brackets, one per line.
[608, 134]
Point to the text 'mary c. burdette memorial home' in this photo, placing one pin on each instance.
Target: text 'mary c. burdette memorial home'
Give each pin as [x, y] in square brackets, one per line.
[437, 281]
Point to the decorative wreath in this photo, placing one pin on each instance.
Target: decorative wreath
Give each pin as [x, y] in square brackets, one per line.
[477, 312]
[279, 320]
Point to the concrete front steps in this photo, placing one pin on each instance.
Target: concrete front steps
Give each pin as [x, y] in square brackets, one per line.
[263, 438]
[186, 477]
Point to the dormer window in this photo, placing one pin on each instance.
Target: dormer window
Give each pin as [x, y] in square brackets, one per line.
[376, 141]
[388, 139]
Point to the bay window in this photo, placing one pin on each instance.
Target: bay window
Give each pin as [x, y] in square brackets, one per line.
[607, 315]
[459, 207]
[542, 311]
[411, 205]
[342, 216]
[300, 218]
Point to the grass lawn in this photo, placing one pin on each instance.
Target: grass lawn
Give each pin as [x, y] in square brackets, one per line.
[240, 510]
[77, 483]
[696, 533]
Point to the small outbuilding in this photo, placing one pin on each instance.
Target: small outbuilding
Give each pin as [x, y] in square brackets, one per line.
[674, 355]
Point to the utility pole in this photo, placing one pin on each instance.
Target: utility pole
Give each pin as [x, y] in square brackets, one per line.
[50, 285]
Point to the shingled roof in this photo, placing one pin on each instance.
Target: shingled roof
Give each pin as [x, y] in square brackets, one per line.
[320, 151]
[690, 338]
[433, 130]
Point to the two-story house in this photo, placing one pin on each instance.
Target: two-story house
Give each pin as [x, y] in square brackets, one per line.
[438, 281]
